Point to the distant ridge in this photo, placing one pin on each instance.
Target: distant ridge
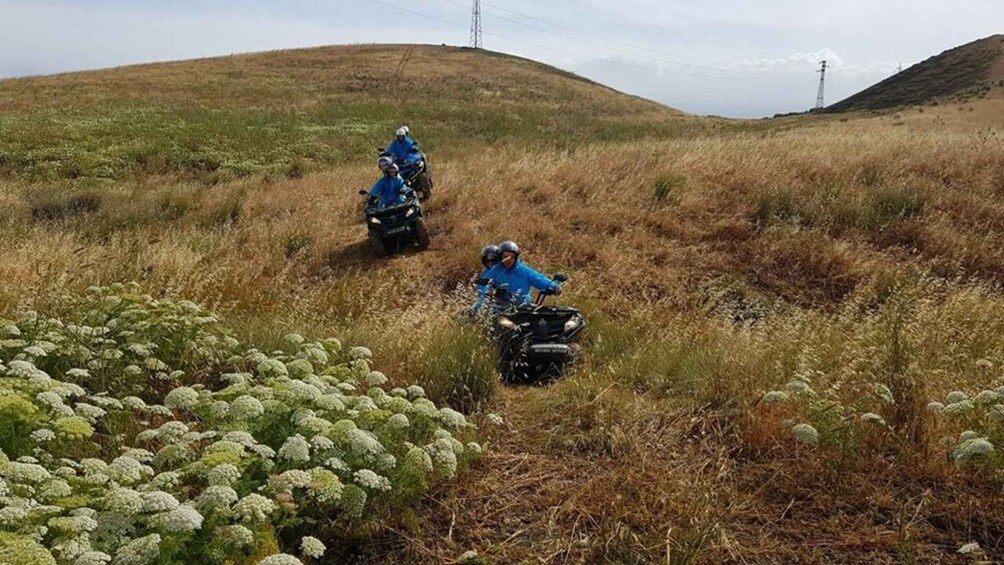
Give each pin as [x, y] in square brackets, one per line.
[970, 70]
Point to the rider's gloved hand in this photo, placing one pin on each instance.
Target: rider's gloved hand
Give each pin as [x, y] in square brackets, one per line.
[556, 291]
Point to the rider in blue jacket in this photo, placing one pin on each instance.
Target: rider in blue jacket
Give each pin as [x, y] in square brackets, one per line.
[390, 188]
[514, 276]
[402, 147]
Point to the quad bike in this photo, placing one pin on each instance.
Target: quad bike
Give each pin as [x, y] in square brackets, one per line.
[414, 171]
[393, 228]
[535, 342]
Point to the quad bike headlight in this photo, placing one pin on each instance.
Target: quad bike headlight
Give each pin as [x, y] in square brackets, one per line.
[375, 220]
[572, 323]
[505, 322]
[410, 212]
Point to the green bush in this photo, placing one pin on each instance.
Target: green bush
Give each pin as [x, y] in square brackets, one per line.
[268, 453]
[666, 187]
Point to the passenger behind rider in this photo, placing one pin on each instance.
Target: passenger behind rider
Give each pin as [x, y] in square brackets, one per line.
[390, 188]
[403, 148]
[515, 277]
[489, 258]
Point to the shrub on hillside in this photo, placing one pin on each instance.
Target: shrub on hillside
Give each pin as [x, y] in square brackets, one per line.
[118, 454]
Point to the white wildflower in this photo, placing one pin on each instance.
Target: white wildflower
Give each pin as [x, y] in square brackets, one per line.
[971, 448]
[92, 558]
[236, 535]
[970, 548]
[224, 474]
[321, 443]
[241, 437]
[798, 387]
[451, 418]
[159, 501]
[141, 551]
[293, 478]
[254, 508]
[883, 392]
[263, 451]
[399, 421]
[295, 448]
[124, 501]
[26, 473]
[775, 397]
[376, 378]
[216, 498]
[43, 435]
[246, 408]
[182, 519]
[872, 418]
[312, 547]
[958, 408]
[360, 352]
[182, 397]
[956, 396]
[369, 479]
[805, 433]
[272, 368]
[280, 559]
[219, 408]
[987, 397]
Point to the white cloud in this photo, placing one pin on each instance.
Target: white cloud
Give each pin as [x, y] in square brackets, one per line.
[795, 60]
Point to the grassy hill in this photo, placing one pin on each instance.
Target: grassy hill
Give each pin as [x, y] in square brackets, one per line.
[715, 261]
[967, 71]
[234, 116]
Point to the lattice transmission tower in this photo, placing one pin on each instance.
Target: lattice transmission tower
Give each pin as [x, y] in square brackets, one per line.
[476, 40]
[822, 85]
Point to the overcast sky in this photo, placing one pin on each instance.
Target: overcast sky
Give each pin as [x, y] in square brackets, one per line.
[742, 58]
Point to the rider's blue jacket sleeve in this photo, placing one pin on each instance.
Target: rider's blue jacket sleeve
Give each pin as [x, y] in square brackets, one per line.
[537, 280]
[375, 191]
[484, 285]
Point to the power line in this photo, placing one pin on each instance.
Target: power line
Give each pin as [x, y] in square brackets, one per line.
[628, 45]
[822, 84]
[556, 50]
[649, 24]
[476, 39]
[615, 49]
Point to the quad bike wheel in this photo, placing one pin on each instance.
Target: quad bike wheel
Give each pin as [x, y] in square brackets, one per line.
[423, 186]
[376, 243]
[421, 233]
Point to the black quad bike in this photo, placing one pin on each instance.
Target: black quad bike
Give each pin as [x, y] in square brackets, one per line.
[394, 228]
[535, 342]
[414, 171]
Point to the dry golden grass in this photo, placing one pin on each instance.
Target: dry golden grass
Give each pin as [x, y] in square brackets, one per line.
[712, 266]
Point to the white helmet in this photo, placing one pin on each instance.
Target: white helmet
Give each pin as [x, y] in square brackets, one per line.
[406, 129]
[401, 132]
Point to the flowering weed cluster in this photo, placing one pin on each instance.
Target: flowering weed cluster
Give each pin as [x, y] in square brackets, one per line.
[113, 454]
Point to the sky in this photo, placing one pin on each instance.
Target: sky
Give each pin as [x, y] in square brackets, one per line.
[737, 58]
